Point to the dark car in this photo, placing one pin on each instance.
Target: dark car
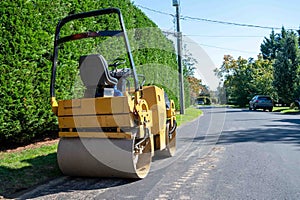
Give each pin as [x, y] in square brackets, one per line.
[264, 102]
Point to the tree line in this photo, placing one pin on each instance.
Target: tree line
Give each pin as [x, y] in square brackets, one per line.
[275, 71]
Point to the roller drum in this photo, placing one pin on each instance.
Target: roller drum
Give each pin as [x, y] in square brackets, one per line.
[98, 157]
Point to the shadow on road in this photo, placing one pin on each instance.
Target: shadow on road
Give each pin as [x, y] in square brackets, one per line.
[288, 134]
[292, 121]
[65, 185]
[191, 139]
[283, 130]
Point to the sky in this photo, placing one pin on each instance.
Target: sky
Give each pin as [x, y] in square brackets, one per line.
[208, 41]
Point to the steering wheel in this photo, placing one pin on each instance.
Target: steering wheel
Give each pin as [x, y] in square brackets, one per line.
[116, 62]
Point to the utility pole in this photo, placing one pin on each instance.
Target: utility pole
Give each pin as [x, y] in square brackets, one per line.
[179, 52]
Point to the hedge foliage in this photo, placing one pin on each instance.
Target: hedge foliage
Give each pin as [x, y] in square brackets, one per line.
[26, 46]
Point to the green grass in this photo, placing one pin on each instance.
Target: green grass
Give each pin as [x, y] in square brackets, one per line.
[285, 110]
[27, 168]
[190, 114]
[290, 111]
[279, 109]
[24, 169]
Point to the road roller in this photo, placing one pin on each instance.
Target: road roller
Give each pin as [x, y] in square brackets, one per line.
[113, 130]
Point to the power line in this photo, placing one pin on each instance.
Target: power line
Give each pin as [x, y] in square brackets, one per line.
[216, 47]
[156, 11]
[229, 23]
[215, 36]
[222, 48]
[167, 33]
[225, 36]
[215, 21]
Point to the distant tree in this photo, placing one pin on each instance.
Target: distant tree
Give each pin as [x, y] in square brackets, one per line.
[262, 76]
[270, 46]
[237, 78]
[221, 94]
[195, 86]
[204, 90]
[298, 31]
[283, 33]
[205, 95]
[243, 78]
[286, 68]
[188, 63]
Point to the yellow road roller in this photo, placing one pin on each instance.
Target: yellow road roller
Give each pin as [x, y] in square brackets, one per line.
[113, 130]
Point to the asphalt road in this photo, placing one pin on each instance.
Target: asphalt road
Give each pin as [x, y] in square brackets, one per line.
[224, 154]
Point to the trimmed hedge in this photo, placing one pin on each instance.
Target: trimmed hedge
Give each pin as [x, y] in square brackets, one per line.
[26, 45]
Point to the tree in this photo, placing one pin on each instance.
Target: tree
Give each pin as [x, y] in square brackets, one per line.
[237, 77]
[286, 68]
[245, 78]
[262, 76]
[270, 46]
[188, 62]
[195, 87]
[298, 31]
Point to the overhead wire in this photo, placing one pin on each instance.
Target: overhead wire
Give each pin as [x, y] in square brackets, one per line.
[224, 36]
[223, 48]
[215, 21]
[153, 10]
[167, 33]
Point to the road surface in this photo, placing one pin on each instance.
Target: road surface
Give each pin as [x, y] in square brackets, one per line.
[224, 154]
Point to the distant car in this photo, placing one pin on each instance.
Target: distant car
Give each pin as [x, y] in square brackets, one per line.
[264, 102]
[201, 102]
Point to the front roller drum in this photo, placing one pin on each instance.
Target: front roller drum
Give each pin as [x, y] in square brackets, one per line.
[97, 157]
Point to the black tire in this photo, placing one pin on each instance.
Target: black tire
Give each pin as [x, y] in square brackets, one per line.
[270, 109]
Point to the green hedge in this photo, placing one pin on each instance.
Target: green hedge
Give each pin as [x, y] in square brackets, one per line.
[26, 45]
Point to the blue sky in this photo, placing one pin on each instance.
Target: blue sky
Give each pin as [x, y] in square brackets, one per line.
[217, 40]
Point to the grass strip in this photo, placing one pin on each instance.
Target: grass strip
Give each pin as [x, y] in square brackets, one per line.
[190, 114]
[27, 168]
[279, 109]
[290, 111]
[286, 110]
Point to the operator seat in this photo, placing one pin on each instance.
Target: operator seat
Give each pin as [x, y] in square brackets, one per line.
[95, 75]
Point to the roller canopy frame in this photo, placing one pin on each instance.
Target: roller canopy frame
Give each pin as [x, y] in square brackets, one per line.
[108, 33]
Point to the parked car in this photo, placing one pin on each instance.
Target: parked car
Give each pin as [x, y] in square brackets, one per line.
[201, 102]
[264, 102]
